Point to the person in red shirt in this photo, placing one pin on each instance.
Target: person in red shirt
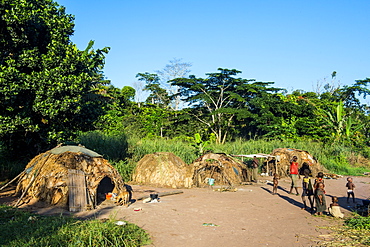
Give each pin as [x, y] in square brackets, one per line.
[294, 175]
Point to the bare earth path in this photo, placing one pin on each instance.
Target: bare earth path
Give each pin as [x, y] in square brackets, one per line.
[251, 216]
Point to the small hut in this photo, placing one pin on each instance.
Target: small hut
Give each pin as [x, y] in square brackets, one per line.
[69, 176]
[163, 169]
[221, 168]
[285, 155]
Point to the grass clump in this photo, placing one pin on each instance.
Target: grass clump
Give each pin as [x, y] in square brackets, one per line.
[354, 232]
[358, 222]
[20, 228]
[125, 168]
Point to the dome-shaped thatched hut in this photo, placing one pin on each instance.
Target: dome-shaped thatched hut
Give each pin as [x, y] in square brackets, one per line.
[224, 169]
[69, 175]
[285, 155]
[163, 169]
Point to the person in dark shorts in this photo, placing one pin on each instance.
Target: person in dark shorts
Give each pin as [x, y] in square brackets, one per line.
[307, 190]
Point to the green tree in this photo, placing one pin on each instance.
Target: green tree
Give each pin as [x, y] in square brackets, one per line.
[348, 94]
[220, 98]
[48, 88]
[158, 95]
[119, 104]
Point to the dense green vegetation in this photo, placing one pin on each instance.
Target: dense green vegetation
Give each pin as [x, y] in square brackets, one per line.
[21, 228]
[52, 92]
[359, 222]
[337, 158]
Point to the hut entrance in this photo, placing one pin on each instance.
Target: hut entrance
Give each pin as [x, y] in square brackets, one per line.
[218, 168]
[105, 186]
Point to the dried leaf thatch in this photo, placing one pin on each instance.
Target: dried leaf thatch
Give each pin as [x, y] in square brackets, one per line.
[163, 169]
[224, 169]
[46, 177]
[285, 156]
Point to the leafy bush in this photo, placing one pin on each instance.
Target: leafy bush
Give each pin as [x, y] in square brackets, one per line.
[125, 168]
[358, 222]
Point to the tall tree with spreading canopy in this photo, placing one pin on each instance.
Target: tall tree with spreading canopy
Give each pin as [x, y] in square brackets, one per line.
[48, 87]
[220, 98]
[158, 95]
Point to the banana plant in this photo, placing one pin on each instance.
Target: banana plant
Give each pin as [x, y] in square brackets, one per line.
[352, 127]
[200, 145]
[342, 123]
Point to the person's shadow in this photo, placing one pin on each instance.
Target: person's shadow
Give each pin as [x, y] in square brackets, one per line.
[279, 189]
[287, 198]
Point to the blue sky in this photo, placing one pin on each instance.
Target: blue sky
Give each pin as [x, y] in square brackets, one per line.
[292, 43]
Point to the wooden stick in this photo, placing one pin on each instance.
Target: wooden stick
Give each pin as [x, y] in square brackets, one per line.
[19, 175]
[25, 191]
[163, 194]
[89, 194]
[32, 180]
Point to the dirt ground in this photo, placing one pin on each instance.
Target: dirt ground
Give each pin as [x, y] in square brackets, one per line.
[251, 216]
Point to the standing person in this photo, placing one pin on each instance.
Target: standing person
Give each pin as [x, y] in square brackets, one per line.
[255, 165]
[275, 181]
[350, 190]
[307, 189]
[294, 175]
[320, 199]
[319, 179]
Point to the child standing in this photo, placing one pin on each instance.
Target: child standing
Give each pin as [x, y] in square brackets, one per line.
[319, 179]
[320, 198]
[334, 208]
[275, 180]
[307, 189]
[350, 190]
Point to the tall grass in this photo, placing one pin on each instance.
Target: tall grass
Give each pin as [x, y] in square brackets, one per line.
[112, 146]
[333, 157]
[139, 148]
[124, 153]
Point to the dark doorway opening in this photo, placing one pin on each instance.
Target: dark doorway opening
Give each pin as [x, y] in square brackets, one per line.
[105, 186]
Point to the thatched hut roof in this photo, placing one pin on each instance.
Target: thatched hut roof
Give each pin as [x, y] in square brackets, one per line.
[163, 169]
[224, 169]
[51, 176]
[285, 155]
